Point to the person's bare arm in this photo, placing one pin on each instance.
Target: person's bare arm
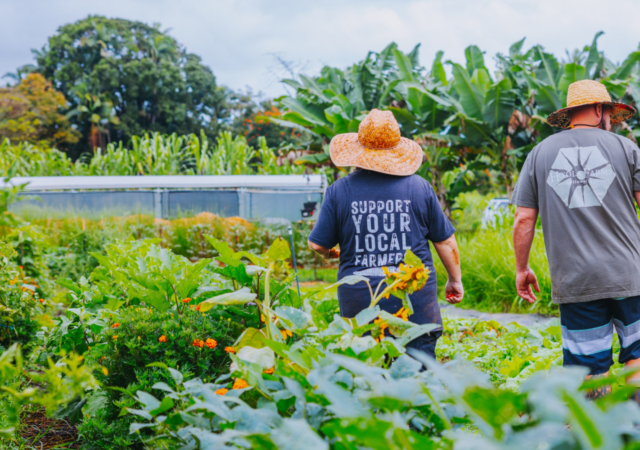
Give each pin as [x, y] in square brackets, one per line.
[450, 257]
[326, 253]
[637, 194]
[524, 229]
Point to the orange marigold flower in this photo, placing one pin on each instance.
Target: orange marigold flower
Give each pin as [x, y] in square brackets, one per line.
[269, 371]
[222, 391]
[41, 300]
[198, 307]
[211, 343]
[240, 384]
[162, 338]
[115, 325]
[115, 338]
[229, 350]
[186, 300]
[198, 343]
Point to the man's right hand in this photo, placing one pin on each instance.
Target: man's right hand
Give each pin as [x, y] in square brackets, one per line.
[524, 281]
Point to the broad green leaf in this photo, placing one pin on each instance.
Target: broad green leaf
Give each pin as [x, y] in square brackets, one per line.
[475, 59]
[350, 279]
[238, 297]
[165, 405]
[263, 356]
[69, 284]
[252, 337]
[397, 326]
[593, 59]
[548, 68]
[404, 65]
[437, 69]
[279, 250]
[367, 315]
[148, 400]
[516, 48]
[572, 72]
[227, 255]
[471, 99]
[499, 103]
[113, 304]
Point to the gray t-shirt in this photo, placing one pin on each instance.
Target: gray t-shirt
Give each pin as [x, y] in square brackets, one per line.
[583, 182]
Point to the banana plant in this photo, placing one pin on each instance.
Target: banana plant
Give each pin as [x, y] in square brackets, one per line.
[336, 101]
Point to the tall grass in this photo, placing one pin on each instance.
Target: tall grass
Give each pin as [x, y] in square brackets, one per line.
[489, 273]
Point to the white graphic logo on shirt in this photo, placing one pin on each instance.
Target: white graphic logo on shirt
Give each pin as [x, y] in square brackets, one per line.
[581, 176]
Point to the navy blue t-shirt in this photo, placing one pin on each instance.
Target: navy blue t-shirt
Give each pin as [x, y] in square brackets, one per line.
[375, 218]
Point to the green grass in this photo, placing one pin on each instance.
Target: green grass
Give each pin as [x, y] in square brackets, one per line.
[489, 273]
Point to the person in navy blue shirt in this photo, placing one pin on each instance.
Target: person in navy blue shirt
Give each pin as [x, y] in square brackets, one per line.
[377, 213]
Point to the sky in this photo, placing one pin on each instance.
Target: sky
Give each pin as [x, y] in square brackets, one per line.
[242, 40]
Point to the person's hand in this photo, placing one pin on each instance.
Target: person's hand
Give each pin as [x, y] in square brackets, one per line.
[333, 253]
[454, 291]
[524, 281]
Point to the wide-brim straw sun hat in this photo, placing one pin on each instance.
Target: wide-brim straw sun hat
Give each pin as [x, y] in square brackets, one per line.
[589, 92]
[377, 146]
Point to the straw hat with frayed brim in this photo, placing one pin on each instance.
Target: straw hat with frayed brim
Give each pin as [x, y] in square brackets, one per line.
[589, 92]
[377, 146]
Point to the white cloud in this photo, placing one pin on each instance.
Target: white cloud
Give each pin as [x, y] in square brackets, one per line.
[237, 37]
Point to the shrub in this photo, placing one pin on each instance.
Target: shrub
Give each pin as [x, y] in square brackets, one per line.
[137, 337]
[20, 302]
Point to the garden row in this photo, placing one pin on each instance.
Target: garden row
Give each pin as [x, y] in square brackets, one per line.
[153, 350]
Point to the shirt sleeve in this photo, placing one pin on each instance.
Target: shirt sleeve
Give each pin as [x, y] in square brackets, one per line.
[440, 229]
[525, 193]
[325, 232]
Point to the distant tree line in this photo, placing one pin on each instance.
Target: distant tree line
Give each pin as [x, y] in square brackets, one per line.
[102, 80]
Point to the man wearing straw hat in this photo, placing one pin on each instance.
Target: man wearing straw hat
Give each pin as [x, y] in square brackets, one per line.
[378, 212]
[583, 182]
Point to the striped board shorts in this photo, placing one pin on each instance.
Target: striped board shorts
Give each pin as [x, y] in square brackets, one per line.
[587, 332]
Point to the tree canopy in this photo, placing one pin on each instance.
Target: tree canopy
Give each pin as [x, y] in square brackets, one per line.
[31, 111]
[125, 78]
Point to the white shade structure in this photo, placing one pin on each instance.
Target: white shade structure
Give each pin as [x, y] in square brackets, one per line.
[288, 182]
[290, 197]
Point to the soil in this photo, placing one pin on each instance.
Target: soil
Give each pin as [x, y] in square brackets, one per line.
[42, 432]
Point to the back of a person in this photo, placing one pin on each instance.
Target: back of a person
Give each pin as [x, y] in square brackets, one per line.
[381, 217]
[584, 180]
[379, 212]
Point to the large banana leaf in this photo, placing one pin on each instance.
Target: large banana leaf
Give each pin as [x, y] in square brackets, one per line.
[437, 69]
[547, 99]
[572, 73]
[499, 103]
[471, 99]
[548, 70]
[626, 67]
[475, 59]
[310, 113]
[404, 65]
[594, 60]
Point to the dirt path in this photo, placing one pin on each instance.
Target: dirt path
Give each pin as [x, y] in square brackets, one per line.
[503, 318]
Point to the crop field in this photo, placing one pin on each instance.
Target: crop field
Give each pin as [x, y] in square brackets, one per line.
[131, 332]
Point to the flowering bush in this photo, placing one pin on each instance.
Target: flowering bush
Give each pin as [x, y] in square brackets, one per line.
[145, 337]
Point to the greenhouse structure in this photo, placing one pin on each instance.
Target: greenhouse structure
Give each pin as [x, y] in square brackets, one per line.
[252, 197]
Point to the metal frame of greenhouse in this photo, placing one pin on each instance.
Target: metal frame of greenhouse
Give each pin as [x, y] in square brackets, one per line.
[252, 197]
